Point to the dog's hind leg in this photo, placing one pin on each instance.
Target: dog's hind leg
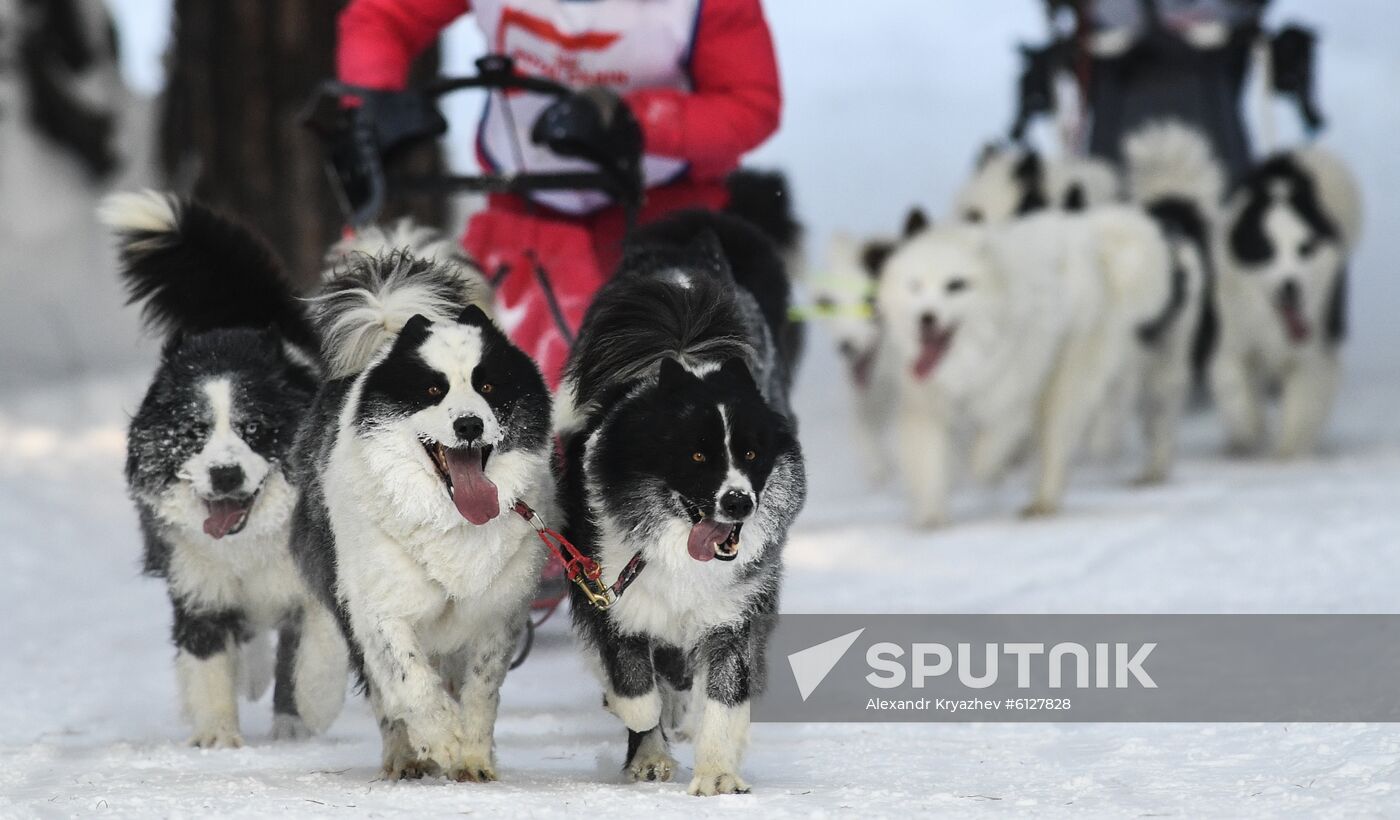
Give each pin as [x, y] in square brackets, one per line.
[1308, 393]
[316, 670]
[1164, 398]
[726, 679]
[487, 661]
[207, 667]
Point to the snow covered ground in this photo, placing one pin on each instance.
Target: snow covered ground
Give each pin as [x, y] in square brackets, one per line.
[89, 723]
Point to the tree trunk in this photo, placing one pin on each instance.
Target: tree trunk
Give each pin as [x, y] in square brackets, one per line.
[240, 73]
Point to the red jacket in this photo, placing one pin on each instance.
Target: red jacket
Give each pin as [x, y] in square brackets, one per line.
[732, 107]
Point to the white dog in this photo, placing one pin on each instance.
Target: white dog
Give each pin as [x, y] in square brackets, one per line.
[1020, 330]
[1289, 228]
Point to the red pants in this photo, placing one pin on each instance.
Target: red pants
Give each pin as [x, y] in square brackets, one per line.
[546, 266]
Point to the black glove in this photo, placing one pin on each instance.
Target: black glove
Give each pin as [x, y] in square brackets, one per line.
[597, 126]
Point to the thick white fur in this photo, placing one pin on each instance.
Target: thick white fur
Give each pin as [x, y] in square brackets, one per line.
[994, 195]
[857, 331]
[1254, 352]
[1171, 159]
[1044, 326]
[424, 588]
[373, 315]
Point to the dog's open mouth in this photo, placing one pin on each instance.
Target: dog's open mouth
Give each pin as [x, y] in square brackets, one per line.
[463, 472]
[227, 516]
[934, 341]
[714, 539]
[1295, 324]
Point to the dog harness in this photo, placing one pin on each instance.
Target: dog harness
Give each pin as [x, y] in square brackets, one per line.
[581, 570]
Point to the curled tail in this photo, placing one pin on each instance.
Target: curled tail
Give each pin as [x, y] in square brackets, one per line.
[765, 200]
[196, 270]
[1173, 174]
[379, 280]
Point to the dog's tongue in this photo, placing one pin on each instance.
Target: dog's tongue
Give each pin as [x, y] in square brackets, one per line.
[1296, 323]
[225, 514]
[472, 491]
[704, 535]
[932, 345]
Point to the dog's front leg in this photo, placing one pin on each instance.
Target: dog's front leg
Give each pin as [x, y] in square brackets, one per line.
[634, 697]
[923, 454]
[1236, 393]
[997, 444]
[207, 668]
[409, 696]
[1308, 392]
[1086, 367]
[1164, 399]
[487, 661]
[726, 676]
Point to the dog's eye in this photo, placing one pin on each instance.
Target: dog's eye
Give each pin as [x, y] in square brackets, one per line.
[697, 457]
[251, 428]
[434, 391]
[1306, 249]
[485, 388]
[956, 285]
[750, 455]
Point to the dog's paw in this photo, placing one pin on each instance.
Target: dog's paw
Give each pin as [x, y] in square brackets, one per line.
[710, 783]
[405, 767]
[1040, 509]
[655, 767]
[220, 737]
[289, 727]
[474, 767]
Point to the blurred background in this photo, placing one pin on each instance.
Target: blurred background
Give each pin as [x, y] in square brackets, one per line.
[887, 104]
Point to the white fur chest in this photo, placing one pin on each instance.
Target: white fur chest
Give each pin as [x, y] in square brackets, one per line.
[677, 598]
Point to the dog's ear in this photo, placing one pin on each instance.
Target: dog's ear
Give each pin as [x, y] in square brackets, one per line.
[671, 375]
[473, 315]
[915, 222]
[737, 371]
[873, 255]
[173, 343]
[414, 331]
[987, 154]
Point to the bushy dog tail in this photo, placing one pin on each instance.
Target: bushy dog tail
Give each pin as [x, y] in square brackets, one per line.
[195, 270]
[1171, 168]
[764, 198]
[1173, 174]
[379, 280]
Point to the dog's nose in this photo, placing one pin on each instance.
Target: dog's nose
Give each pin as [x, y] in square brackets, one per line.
[468, 428]
[226, 478]
[736, 504]
[1290, 296]
[928, 321]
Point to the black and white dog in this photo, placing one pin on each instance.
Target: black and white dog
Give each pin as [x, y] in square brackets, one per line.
[430, 425]
[680, 447]
[206, 465]
[1289, 228]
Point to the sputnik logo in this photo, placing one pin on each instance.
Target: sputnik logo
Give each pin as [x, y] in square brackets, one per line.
[810, 666]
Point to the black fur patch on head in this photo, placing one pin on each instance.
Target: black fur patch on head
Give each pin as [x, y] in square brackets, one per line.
[683, 448]
[401, 383]
[1029, 173]
[1249, 242]
[269, 396]
[511, 384]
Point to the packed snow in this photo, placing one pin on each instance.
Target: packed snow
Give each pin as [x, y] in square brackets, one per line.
[90, 723]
